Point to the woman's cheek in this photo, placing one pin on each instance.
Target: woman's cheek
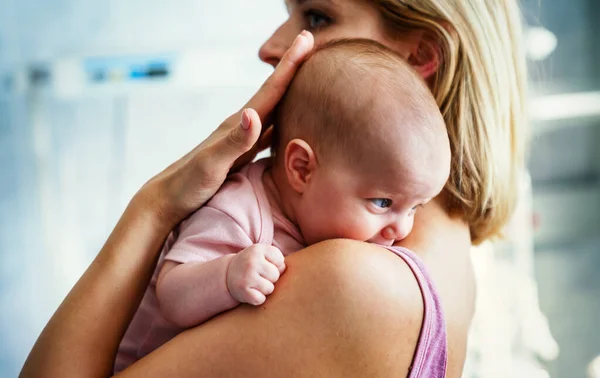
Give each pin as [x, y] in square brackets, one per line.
[322, 37]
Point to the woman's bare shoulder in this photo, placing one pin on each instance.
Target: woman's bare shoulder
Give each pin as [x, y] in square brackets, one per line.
[361, 271]
[342, 309]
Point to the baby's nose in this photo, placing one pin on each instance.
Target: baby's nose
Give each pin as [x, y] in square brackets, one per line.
[398, 230]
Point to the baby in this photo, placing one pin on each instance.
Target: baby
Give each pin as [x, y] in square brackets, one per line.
[359, 145]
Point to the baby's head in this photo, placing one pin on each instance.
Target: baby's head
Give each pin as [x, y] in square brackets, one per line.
[359, 144]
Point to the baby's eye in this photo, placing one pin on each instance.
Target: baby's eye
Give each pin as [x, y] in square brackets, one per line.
[414, 210]
[315, 19]
[384, 203]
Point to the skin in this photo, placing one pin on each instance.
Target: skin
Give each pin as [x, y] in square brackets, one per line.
[326, 197]
[329, 198]
[335, 19]
[441, 240]
[319, 322]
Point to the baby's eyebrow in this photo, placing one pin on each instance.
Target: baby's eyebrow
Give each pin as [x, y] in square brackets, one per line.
[295, 2]
[302, 2]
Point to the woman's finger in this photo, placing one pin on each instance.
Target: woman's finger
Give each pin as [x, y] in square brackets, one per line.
[263, 143]
[241, 138]
[193, 179]
[267, 97]
[271, 92]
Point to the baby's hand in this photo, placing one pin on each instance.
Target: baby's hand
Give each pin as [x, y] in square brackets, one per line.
[253, 272]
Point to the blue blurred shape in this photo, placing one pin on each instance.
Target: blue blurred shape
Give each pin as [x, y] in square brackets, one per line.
[142, 67]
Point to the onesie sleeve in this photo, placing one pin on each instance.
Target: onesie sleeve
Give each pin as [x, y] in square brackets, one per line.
[228, 223]
[207, 235]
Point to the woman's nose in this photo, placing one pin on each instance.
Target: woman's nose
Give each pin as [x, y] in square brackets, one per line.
[273, 49]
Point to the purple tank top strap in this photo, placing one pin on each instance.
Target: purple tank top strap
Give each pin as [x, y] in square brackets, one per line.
[432, 348]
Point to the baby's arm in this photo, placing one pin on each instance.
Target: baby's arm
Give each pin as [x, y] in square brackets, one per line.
[192, 293]
[203, 274]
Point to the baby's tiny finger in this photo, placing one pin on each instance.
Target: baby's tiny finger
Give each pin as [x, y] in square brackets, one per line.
[266, 287]
[270, 272]
[255, 297]
[275, 257]
[273, 254]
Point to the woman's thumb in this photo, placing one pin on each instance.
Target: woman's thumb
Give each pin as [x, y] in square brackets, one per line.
[245, 134]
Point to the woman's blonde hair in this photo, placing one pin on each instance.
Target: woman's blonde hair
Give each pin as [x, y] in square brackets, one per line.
[480, 86]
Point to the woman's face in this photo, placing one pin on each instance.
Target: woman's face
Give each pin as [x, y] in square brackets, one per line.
[328, 20]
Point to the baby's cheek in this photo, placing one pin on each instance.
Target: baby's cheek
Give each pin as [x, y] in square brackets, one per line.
[332, 226]
[318, 225]
[333, 217]
[411, 224]
[350, 226]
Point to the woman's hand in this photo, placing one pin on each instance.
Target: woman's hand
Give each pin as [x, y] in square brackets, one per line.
[192, 180]
[81, 329]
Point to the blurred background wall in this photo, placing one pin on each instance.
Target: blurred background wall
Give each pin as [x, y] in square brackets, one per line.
[77, 139]
[565, 168]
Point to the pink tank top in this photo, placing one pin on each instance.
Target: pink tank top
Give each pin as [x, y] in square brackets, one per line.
[432, 349]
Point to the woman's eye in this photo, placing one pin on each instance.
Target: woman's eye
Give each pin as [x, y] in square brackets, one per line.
[316, 19]
[383, 203]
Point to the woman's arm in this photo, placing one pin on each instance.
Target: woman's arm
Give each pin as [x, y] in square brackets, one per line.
[82, 337]
[342, 309]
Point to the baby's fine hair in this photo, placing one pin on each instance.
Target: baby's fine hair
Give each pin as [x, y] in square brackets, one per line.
[342, 89]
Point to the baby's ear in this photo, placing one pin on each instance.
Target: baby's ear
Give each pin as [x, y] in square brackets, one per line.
[300, 163]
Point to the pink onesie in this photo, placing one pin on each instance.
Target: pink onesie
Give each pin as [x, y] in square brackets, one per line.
[238, 216]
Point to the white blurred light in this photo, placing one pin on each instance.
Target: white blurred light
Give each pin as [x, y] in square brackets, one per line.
[540, 43]
[594, 368]
[565, 106]
[538, 373]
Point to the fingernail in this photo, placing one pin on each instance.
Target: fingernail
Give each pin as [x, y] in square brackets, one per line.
[304, 34]
[245, 120]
